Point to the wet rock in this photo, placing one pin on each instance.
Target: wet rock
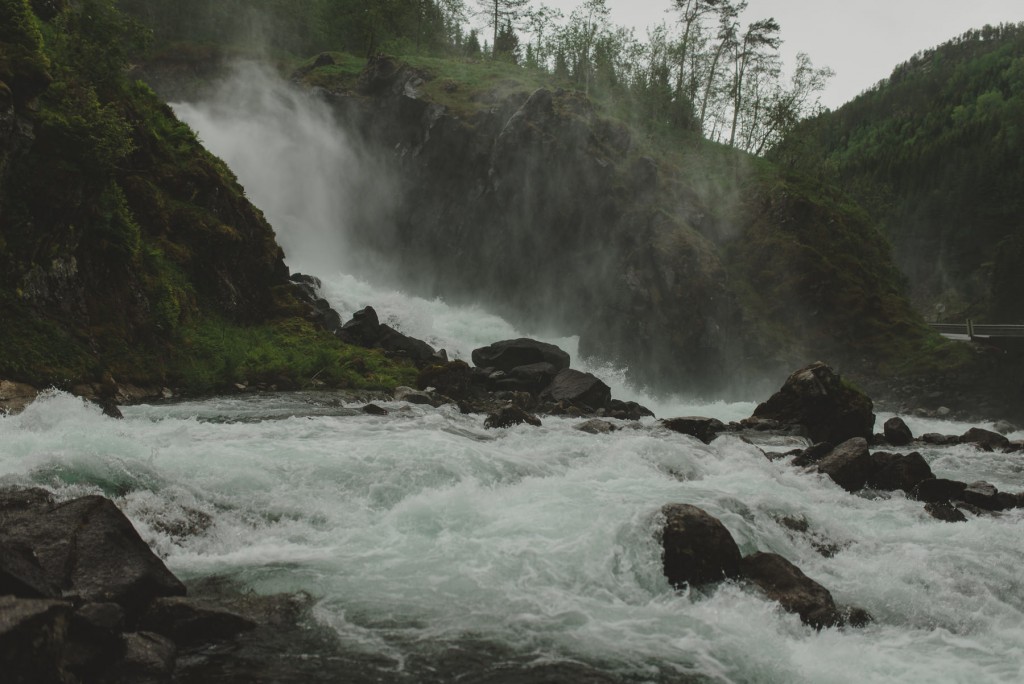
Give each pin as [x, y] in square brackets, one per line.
[985, 440]
[20, 573]
[937, 439]
[89, 549]
[534, 377]
[939, 490]
[896, 432]
[94, 639]
[627, 410]
[944, 511]
[782, 581]
[33, 633]
[813, 454]
[816, 398]
[596, 426]
[362, 329]
[698, 548]
[509, 416]
[453, 379]
[984, 496]
[849, 464]
[148, 658]
[898, 471]
[188, 622]
[366, 330]
[509, 354]
[578, 388]
[374, 410]
[704, 429]
[408, 394]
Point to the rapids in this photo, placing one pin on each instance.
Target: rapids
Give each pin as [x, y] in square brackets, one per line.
[437, 551]
[421, 535]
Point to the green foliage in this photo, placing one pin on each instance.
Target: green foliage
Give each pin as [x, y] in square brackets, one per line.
[215, 354]
[23, 65]
[936, 153]
[37, 350]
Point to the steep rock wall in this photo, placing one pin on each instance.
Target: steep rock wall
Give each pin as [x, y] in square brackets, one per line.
[544, 210]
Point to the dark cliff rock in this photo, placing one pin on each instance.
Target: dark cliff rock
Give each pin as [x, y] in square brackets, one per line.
[534, 195]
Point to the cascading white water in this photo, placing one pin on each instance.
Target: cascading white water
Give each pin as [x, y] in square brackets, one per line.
[440, 551]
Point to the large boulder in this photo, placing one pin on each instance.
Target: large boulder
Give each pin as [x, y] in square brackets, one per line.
[896, 432]
[849, 464]
[509, 354]
[826, 407]
[89, 549]
[986, 440]
[782, 581]
[366, 330]
[698, 548]
[939, 490]
[898, 471]
[579, 389]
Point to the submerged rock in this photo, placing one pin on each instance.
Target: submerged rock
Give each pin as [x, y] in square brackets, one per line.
[704, 429]
[596, 426]
[782, 581]
[509, 416]
[698, 548]
[822, 403]
[944, 512]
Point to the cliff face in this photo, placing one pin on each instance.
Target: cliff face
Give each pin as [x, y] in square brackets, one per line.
[542, 209]
[549, 212]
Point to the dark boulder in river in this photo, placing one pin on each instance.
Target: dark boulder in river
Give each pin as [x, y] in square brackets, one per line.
[89, 549]
[579, 389]
[509, 354]
[849, 464]
[782, 581]
[826, 407]
[896, 432]
[698, 548]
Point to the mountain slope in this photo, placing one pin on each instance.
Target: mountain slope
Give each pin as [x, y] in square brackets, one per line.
[936, 153]
[127, 250]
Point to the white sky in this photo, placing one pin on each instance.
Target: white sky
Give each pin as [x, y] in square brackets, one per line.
[862, 40]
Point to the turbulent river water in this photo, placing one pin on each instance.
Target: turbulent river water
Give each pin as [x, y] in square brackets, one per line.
[438, 551]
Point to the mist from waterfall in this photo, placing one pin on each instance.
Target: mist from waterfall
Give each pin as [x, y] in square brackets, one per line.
[317, 185]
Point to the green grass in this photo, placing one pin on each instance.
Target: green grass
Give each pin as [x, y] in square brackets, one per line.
[214, 355]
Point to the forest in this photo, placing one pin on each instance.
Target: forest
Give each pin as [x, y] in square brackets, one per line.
[708, 68]
[935, 153]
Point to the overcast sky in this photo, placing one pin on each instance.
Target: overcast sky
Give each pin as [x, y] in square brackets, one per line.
[862, 40]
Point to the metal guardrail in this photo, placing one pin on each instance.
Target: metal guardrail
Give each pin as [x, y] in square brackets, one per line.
[972, 330]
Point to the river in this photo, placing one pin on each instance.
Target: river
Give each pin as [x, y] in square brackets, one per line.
[438, 551]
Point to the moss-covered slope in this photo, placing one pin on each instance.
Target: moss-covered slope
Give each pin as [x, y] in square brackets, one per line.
[126, 249]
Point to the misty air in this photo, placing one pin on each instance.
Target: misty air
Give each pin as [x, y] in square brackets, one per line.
[487, 341]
